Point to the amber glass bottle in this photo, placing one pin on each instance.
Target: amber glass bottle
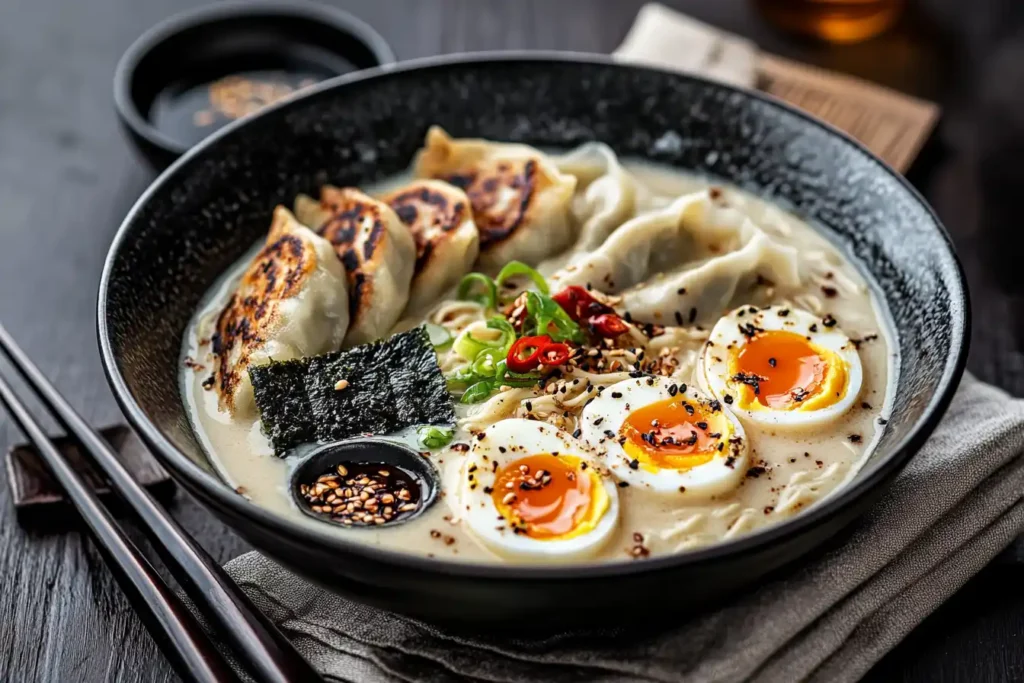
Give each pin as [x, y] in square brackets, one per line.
[836, 21]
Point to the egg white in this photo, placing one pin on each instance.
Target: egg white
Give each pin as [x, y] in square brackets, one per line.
[713, 369]
[606, 414]
[507, 441]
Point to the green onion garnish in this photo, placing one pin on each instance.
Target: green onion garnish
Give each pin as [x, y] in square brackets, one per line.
[514, 268]
[440, 338]
[488, 297]
[435, 437]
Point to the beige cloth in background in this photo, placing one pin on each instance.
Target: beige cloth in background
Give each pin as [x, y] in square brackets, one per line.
[954, 507]
[662, 37]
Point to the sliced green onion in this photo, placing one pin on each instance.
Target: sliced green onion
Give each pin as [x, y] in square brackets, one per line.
[469, 347]
[440, 338]
[545, 316]
[485, 364]
[479, 391]
[499, 323]
[488, 297]
[461, 377]
[514, 268]
[435, 437]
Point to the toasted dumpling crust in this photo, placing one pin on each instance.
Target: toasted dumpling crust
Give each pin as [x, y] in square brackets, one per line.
[513, 189]
[377, 251]
[439, 217]
[263, 318]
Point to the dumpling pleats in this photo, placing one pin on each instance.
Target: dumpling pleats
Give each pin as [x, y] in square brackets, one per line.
[605, 193]
[704, 291]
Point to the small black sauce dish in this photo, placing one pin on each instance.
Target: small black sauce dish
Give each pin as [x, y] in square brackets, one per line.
[364, 482]
[195, 72]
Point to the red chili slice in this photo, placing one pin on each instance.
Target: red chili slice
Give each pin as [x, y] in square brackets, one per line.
[585, 309]
[579, 304]
[525, 354]
[608, 325]
[554, 353]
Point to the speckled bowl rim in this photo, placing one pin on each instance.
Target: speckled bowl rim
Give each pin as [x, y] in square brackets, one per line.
[884, 467]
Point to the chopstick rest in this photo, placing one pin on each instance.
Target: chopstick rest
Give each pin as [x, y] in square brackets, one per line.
[39, 501]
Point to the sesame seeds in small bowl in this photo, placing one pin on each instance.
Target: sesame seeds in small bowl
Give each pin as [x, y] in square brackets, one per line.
[364, 483]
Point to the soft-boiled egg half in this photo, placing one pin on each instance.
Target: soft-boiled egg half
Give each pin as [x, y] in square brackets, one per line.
[667, 437]
[530, 490]
[781, 366]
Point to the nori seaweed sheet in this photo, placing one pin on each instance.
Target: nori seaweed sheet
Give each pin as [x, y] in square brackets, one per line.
[392, 384]
[280, 392]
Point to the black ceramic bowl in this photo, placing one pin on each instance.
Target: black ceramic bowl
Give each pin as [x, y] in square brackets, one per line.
[208, 208]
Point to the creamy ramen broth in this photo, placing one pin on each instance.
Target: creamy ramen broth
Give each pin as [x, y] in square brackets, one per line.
[785, 470]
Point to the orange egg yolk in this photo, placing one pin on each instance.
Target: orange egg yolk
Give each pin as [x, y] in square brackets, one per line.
[671, 434]
[543, 495]
[780, 369]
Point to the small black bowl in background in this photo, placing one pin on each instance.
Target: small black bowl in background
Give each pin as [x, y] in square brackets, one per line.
[193, 73]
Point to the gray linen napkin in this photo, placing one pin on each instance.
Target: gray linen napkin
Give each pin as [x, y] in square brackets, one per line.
[959, 502]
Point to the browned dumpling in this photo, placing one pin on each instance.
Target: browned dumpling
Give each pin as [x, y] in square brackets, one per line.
[447, 241]
[521, 201]
[290, 302]
[376, 249]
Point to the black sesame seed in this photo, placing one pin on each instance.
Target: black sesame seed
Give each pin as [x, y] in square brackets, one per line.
[728, 399]
[634, 464]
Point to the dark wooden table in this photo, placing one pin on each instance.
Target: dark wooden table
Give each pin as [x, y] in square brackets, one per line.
[67, 177]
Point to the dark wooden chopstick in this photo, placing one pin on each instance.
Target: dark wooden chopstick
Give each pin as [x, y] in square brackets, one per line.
[260, 645]
[173, 627]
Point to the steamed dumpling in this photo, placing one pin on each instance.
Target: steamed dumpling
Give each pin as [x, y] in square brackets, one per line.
[606, 193]
[706, 289]
[291, 302]
[440, 220]
[521, 201]
[700, 250]
[377, 251]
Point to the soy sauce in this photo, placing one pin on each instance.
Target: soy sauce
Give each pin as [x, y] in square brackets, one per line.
[187, 112]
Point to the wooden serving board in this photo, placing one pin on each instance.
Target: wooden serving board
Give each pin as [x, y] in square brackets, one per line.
[892, 125]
